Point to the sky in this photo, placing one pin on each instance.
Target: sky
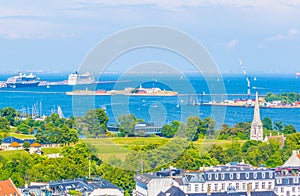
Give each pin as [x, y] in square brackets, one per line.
[57, 35]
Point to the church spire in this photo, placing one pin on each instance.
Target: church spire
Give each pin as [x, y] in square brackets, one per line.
[256, 126]
[256, 117]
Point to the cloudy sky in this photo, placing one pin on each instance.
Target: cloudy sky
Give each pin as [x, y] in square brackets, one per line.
[56, 35]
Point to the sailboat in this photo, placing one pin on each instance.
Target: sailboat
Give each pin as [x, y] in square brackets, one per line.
[60, 112]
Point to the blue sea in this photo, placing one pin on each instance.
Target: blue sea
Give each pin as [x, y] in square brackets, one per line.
[160, 110]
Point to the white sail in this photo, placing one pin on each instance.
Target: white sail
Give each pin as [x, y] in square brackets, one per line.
[60, 112]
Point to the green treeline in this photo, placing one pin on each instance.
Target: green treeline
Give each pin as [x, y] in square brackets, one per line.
[283, 97]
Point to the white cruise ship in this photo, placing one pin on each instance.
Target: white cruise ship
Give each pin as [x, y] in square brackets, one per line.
[76, 78]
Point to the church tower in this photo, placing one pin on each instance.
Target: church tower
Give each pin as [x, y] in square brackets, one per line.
[256, 126]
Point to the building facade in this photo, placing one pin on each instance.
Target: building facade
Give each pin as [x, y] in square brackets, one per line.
[230, 179]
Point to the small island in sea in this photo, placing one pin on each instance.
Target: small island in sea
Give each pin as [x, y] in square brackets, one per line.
[127, 91]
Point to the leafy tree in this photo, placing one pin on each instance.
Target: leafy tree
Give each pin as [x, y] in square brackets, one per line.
[217, 152]
[288, 129]
[10, 114]
[126, 124]
[23, 128]
[193, 127]
[4, 125]
[96, 122]
[267, 123]
[278, 126]
[170, 130]
[26, 145]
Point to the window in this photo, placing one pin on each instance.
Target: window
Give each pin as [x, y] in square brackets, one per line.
[294, 189]
[270, 185]
[189, 188]
[209, 176]
[223, 186]
[298, 188]
[263, 175]
[238, 175]
[282, 189]
[196, 188]
[247, 175]
[216, 176]
[278, 181]
[237, 186]
[295, 180]
[231, 175]
[216, 187]
[256, 185]
[263, 185]
[255, 175]
[202, 187]
[223, 176]
[244, 186]
[270, 174]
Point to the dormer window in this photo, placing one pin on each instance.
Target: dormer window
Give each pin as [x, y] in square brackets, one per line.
[216, 176]
[209, 176]
[270, 174]
[247, 175]
[255, 175]
[223, 176]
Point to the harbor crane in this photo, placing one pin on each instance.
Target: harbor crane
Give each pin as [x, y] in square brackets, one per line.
[247, 78]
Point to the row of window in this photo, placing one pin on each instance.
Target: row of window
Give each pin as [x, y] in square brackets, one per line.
[238, 175]
[287, 180]
[281, 189]
[237, 186]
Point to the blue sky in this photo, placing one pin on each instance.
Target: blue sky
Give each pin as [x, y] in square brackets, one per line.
[56, 35]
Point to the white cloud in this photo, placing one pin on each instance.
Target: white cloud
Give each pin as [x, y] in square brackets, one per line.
[291, 34]
[232, 44]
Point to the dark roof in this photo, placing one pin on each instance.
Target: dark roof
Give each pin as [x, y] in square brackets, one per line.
[81, 185]
[11, 139]
[173, 191]
[253, 193]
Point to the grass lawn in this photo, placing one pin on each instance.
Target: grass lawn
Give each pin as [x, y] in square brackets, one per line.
[21, 136]
[107, 148]
[52, 150]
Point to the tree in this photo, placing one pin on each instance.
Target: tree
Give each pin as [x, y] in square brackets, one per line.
[126, 124]
[267, 123]
[26, 145]
[278, 126]
[23, 128]
[10, 114]
[4, 125]
[288, 129]
[96, 122]
[193, 127]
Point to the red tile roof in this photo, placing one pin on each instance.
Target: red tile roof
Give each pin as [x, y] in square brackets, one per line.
[14, 144]
[7, 187]
[35, 145]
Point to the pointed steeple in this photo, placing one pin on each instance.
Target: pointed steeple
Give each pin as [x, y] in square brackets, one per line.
[256, 117]
[256, 126]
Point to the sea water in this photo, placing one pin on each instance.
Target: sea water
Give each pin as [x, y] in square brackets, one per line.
[159, 110]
